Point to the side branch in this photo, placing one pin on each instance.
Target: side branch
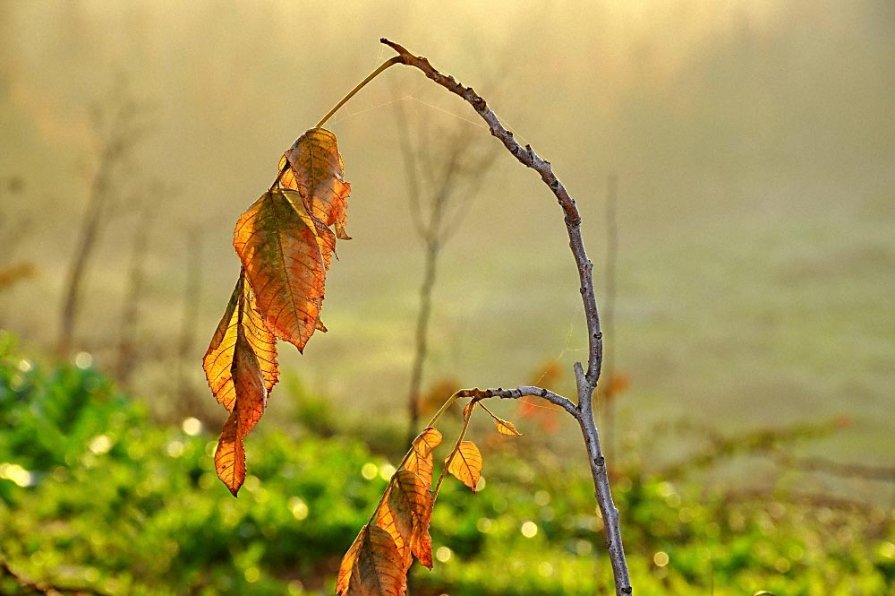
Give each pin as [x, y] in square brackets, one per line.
[520, 392]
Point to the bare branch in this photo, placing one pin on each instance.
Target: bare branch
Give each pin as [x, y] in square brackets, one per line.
[587, 381]
[520, 392]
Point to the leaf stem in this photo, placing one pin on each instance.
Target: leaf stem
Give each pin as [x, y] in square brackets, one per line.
[390, 62]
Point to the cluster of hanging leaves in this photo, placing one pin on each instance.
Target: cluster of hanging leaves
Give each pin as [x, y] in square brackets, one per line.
[285, 241]
[398, 531]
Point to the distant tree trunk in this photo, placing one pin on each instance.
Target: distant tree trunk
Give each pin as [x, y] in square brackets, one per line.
[118, 124]
[127, 336]
[454, 183]
[87, 238]
[422, 334]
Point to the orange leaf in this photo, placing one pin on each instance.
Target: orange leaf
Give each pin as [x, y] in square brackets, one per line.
[405, 513]
[242, 389]
[316, 172]
[505, 427]
[420, 458]
[251, 398]
[219, 358]
[230, 457]
[385, 519]
[372, 566]
[465, 464]
[410, 501]
[280, 250]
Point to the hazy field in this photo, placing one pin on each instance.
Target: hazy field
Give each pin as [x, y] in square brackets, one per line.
[754, 143]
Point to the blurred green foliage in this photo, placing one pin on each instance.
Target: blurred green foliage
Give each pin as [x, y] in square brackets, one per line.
[95, 496]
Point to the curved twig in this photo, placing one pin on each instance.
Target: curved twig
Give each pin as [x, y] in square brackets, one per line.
[586, 381]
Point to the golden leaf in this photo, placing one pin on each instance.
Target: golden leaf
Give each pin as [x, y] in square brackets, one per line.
[316, 171]
[249, 404]
[372, 566]
[404, 513]
[420, 458]
[230, 457]
[241, 368]
[218, 360]
[411, 503]
[385, 519]
[505, 427]
[279, 247]
[465, 464]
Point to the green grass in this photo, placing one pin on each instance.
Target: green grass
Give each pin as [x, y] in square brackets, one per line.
[93, 495]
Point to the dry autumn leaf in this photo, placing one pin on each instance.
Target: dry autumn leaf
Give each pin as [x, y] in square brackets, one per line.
[248, 406]
[230, 456]
[279, 246]
[410, 504]
[218, 360]
[372, 566]
[505, 427]
[286, 245]
[465, 464]
[316, 171]
[420, 458]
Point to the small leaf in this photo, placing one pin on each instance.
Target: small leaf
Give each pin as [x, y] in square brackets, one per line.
[280, 250]
[505, 427]
[372, 566]
[420, 458]
[465, 464]
[316, 172]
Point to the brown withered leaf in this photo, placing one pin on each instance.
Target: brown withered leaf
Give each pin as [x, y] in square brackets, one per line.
[279, 247]
[248, 406]
[405, 513]
[420, 458]
[385, 518]
[465, 464]
[316, 171]
[372, 566]
[218, 360]
[410, 503]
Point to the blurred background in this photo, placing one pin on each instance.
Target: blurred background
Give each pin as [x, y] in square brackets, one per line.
[734, 164]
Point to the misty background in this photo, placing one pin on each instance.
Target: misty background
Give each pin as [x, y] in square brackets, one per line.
[754, 144]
